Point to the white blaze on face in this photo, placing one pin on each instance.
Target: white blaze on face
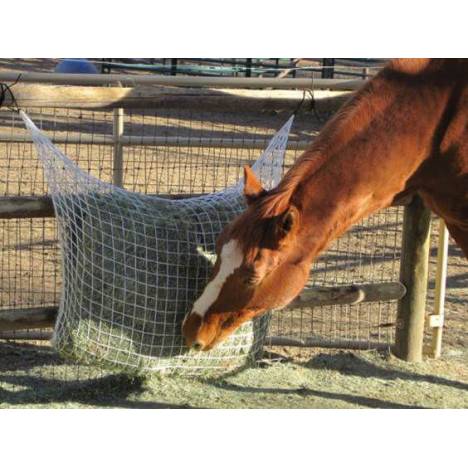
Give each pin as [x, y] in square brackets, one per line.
[230, 259]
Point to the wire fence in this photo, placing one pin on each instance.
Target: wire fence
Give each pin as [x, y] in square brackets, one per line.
[246, 67]
[195, 155]
[30, 264]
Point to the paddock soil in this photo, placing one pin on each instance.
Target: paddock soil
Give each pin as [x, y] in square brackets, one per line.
[32, 375]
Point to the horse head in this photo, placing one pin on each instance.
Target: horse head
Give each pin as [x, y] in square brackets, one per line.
[260, 265]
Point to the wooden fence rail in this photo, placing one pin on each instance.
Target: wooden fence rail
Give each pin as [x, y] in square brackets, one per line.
[317, 342]
[44, 317]
[166, 141]
[30, 96]
[33, 206]
[27, 335]
[180, 81]
[25, 319]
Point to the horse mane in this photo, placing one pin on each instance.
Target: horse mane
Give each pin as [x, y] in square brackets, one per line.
[355, 115]
[276, 201]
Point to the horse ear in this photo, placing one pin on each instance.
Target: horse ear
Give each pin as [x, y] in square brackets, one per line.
[252, 187]
[288, 221]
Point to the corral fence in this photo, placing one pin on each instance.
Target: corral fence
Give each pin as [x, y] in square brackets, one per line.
[246, 67]
[180, 136]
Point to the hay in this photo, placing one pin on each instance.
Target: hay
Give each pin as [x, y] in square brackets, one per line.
[131, 277]
[133, 265]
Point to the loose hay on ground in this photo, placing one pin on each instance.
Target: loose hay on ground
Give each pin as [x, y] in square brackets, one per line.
[32, 376]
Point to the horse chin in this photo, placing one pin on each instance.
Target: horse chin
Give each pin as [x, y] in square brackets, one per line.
[220, 335]
[215, 335]
[205, 333]
[210, 346]
[190, 328]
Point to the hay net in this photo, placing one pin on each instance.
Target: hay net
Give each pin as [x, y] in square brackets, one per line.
[133, 265]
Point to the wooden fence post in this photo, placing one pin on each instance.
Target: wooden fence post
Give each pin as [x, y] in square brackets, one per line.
[118, 130]
[328, 70]
[173, 66]
[436, 320]
[414, 275]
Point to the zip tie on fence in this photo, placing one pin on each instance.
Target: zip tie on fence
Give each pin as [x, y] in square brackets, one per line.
[298, 108]
[313, 107]
[6, 90]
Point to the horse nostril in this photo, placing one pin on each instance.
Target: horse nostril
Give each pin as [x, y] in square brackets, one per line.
[251, 280]
[197, 346]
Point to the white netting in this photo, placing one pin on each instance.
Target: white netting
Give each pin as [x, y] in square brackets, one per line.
[133, 265]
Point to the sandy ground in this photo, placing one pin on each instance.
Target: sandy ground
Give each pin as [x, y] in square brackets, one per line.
[32, 374]
[34, 377]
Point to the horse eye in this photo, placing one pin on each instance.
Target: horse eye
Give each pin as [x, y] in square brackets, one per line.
[287, 224]
[228, 322]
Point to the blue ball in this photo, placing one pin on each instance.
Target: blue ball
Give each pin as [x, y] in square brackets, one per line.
[75, 66]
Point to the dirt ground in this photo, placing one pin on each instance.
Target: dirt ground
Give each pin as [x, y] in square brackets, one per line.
[31, 374]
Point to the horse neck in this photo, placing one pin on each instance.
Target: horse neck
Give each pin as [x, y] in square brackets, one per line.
[367, 154]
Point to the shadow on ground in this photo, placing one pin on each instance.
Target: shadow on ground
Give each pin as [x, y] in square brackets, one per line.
[307, 392]
[35, 376]
[350, 364]
[32, 375]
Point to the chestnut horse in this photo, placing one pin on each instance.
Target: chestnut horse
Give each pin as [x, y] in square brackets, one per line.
[405, 131]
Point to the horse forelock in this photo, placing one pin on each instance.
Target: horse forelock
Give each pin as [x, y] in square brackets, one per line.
[256, 226]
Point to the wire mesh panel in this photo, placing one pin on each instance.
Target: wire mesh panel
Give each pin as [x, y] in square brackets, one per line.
[368, 253]
[246, 67]
[29, 263]
[181, 164]
[166, 169]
